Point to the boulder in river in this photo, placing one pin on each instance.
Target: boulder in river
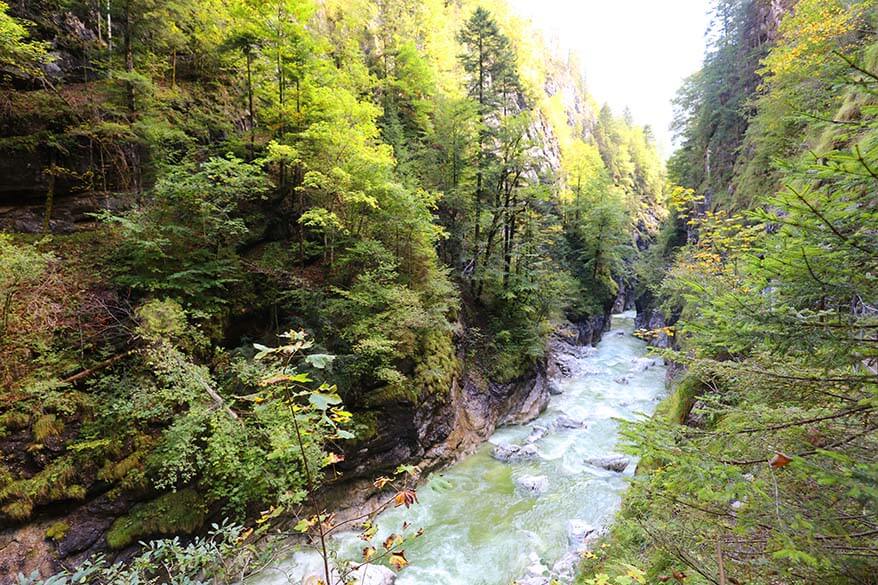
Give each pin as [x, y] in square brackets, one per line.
[534, 485]
[567, 422]
[642, 364]
[624, 380]
[536, 434]
[579, 533]
[555, 388]
[616, 463]
[564, 569]
[368, 574]
[507, 452]
[533, 580]
[536, 567]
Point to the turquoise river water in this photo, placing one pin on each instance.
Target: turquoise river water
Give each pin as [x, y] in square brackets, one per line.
[479, 528]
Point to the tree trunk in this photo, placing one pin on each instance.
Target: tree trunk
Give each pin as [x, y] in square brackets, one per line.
[50, 195]
[510, 242]
[129, 59]
[250, 113]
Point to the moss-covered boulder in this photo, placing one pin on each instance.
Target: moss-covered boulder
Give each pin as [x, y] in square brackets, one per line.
[182, 512]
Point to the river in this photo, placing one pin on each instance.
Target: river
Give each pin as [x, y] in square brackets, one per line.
[480, 528]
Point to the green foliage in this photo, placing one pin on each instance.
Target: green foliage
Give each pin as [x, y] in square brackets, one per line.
[20, 265]
[712, 113]
[372, 174]
[16, 51]
[161, 320]
[183, 240]
[774, 467]
[218, 557]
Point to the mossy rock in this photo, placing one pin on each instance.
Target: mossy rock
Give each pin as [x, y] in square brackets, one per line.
[365, 426]
[55, 483]
[181, 512]
[435, 371]
[679, 402]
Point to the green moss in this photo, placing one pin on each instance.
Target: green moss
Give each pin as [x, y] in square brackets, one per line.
[435, 373]
[675, 408]
[6, 476]
[365, 425]
[117, 470]
[57, 531]
[52, 484]
[403, 391]
[47, 426]
[181, 512]
[14, 420]
[18, 510]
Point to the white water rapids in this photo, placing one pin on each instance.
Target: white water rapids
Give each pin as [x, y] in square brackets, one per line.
[479, 528]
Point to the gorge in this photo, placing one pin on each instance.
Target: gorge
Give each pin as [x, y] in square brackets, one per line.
[375, 291]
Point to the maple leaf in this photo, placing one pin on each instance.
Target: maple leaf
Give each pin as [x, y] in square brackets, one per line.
[381, 482]
[369, 530]
[397, 560]
[368, 553]
[405, 498]
[392, 540]
[276, 379]
[245, 535]
[305, 524]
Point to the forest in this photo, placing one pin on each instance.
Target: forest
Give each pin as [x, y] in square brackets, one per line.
[264, 263]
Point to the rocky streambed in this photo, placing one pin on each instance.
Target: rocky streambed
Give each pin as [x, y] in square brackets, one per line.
[527, 503]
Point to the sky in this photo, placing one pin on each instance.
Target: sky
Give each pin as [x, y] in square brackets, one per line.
[634, 53]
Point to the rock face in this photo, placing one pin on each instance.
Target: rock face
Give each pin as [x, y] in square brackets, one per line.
[533, 485]
[25, 551]
[567, 346]
[651, 318]
[616, 463]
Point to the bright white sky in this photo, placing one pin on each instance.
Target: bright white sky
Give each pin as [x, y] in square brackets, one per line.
[635, 53]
